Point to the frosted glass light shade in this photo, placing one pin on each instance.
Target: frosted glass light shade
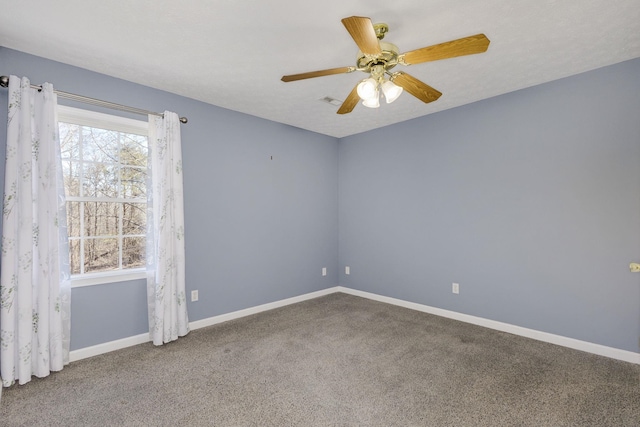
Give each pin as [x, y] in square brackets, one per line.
[373, 102]
[391, 91]
[367, 89]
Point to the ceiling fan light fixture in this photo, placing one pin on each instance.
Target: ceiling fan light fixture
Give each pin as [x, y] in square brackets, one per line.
[391, 91]
[368, 89]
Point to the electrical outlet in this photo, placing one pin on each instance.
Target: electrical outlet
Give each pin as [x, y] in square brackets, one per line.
[324, 271]
[455, 288]
[194, 296]
[347, 270]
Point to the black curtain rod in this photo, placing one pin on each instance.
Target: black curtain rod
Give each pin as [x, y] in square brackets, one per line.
[4, 82]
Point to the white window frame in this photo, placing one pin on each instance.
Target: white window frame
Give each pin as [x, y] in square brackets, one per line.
[110, 122]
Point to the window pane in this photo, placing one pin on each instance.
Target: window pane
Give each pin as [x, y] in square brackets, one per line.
[100, 255]
[73, 219]
[74, 256]
[133, 250]
[100, 180]
[71, 174]
[101, 218]
[99, 145]
[133, 182]
[133, 149]
[134, 218]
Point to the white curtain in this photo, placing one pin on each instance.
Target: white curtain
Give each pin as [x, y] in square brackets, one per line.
[35, 286]
[166, 292]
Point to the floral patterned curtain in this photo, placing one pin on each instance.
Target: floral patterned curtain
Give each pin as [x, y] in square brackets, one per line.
[166, 293]
[35, 285]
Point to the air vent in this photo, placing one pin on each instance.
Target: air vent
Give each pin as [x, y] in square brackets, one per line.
[332, 101]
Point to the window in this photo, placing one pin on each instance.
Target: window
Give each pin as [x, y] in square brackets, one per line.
[104, 162]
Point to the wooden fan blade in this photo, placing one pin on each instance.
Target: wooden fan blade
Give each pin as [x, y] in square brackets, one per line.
[320, 73]
[415, 87]
[460, 47]
[363, 33]
[350, 103]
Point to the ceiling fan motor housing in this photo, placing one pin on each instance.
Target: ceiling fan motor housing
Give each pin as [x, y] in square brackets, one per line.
[388, 58]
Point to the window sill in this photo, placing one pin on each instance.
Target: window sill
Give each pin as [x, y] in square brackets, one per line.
[78, 281]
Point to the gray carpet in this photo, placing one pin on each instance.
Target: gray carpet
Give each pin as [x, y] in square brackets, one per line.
[337, 360]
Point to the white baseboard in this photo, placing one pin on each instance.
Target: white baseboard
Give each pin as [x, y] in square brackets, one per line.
[601, 350]
[107, 347]
[259, 308]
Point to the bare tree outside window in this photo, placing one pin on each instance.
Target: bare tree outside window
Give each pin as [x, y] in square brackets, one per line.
[105, 176]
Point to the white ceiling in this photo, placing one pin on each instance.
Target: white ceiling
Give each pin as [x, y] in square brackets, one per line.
[233, 53]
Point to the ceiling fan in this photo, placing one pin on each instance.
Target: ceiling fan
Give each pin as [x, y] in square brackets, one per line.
[377, 57]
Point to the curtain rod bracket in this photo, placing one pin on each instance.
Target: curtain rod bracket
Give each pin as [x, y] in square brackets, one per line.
[4, 82]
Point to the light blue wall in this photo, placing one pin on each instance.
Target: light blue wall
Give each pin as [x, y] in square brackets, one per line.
[530, 201]
[257, 230]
